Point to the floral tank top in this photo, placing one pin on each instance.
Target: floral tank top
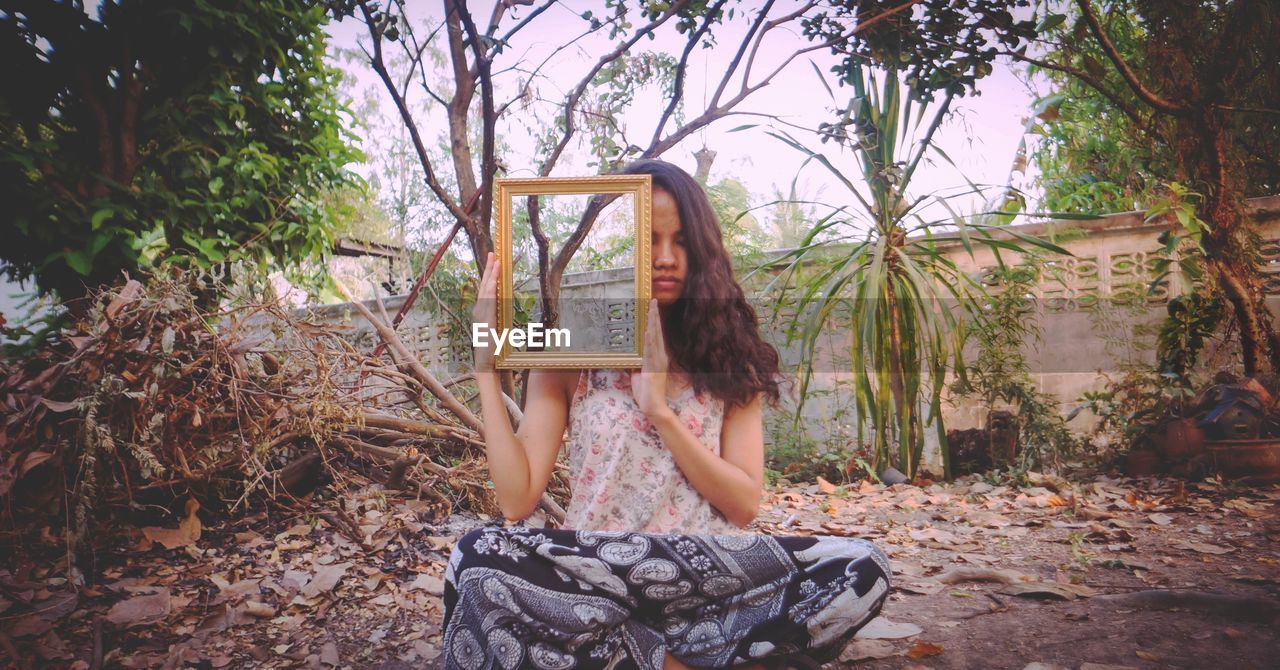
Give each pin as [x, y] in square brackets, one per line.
[622, 476]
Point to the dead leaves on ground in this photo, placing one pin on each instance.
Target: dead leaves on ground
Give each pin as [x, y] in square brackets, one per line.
[257, 594]
[304, 592]
[187, 532]
[956, 541]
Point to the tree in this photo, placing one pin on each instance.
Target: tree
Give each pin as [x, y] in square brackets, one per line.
[1182, 92]
[145, 132]
[904, 69]
[483, 61]
[731, 201]
[790, 218]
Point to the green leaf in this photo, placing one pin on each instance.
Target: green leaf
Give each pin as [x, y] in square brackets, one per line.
[99, 217]
[1050, 22]
[80, 261]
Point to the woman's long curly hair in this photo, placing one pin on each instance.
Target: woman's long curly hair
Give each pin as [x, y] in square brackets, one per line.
[712, 329]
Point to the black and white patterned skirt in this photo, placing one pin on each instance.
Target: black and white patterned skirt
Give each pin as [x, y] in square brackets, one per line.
[555, 599]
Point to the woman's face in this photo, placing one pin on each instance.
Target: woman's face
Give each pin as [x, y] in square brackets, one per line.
[668, 253]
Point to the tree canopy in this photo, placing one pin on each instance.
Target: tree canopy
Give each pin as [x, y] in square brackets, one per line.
[148, 131]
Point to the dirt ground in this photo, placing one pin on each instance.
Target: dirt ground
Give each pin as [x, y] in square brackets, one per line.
[1093, 573]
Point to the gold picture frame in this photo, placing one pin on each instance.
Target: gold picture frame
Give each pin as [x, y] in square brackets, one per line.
[640, 187]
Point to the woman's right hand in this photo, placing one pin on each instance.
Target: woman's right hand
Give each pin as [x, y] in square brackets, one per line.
[486, 310]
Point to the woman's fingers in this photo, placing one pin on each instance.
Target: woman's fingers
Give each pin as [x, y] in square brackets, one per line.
[490, 271]
[651, 338]
[486, 308]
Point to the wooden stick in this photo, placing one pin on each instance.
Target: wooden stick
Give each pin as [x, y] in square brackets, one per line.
[392, 422]
[421, 373]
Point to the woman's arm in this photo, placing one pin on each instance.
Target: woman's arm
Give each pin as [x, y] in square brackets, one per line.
[733, 481]
[520, 464]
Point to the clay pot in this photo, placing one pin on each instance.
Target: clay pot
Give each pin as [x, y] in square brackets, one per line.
[1141, 462]
[1183, 440]
[1255, 461]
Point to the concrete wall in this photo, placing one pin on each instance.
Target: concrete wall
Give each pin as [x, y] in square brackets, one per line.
[1093, 308]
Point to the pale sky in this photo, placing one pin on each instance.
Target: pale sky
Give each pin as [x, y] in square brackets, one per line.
[981, 137]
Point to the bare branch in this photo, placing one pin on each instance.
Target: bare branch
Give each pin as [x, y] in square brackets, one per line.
[1147, 95]
[380, 67]
[1250, 110]
[464, 88]
[678, 89]
[414, 367]
[572, 101]
[755, 46]
[416, 54]
[488, 168]
[742, 49]
[534, 73]
[525, 21]
[861, 26]
[1090, 81]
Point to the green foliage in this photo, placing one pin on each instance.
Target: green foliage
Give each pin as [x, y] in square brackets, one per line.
[614, 89]
[1096, 157]
[907, 293]
[945, 48]
[1191, 321]
[1131, 408]
[796, 456]
[743, 237]
[1091, 156]
[150, 133]
[999, 372]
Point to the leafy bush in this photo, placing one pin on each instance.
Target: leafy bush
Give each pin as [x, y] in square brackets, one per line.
[166, 132]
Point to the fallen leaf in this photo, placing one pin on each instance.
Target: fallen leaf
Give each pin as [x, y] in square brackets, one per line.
[826, 486]
[923, 649]
[30, 625]
[59, 406]
[860, 649]
[440, 543]
[325, 578]
[881, 628]
[141, 609]
[1205, 548]
[1235, 633]
[429, 583]
[260, 610]
[187, 532]
[129, 293]
[329, 654]
[967, 574]
[1160, 519]
[1147, 656]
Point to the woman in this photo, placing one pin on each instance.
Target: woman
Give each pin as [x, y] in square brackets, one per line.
[652, 569]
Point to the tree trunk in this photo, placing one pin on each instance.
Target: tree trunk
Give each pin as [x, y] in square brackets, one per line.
[1225, 247]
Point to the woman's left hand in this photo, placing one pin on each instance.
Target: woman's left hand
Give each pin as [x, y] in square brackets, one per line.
[649, 386]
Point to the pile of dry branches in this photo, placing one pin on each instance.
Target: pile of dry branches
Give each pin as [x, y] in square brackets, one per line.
[150, 400]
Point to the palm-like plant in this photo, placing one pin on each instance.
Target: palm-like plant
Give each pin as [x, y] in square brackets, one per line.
[910, 300]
